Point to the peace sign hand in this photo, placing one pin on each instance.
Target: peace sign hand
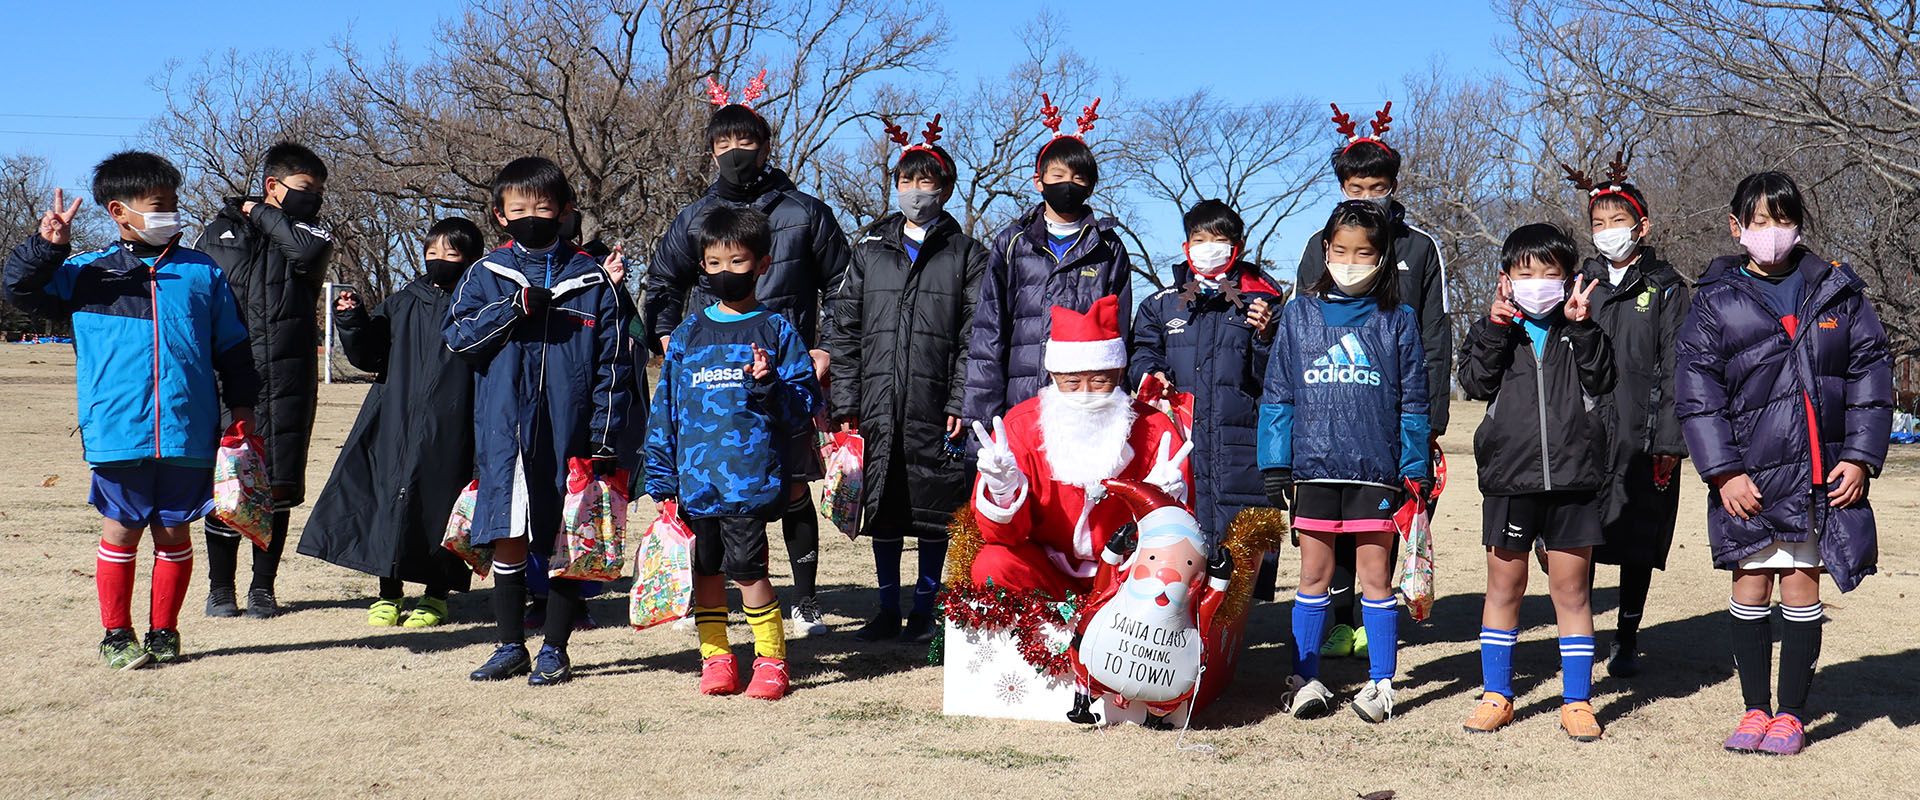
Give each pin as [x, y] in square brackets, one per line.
[1579, 308]
[762, 366]
[996, 462]
[1167, 473]
[1503, 310]
[56, 225]
[616, 264]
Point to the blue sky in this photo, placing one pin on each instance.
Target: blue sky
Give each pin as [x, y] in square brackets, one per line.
[72, 104]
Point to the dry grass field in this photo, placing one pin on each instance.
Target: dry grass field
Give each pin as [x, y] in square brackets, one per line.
[317, 704]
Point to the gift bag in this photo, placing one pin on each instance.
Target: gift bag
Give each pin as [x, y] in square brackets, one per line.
[1178, 407]
[662, 571]
[459, 533]
[242, 492]
[841, 496]
[593, 526]
[1415, 521]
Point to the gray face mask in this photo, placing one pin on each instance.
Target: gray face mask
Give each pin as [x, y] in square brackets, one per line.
[920, 206]
[1384, 203]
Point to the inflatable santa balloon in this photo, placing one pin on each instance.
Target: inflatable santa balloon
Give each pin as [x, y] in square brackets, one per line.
[1141, 639]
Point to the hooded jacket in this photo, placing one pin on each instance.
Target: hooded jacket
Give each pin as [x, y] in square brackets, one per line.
[1548, 419]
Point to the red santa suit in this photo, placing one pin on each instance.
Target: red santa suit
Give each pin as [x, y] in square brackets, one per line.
[1040, 533]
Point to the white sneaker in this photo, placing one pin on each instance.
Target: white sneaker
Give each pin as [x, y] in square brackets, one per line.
[1306, 699]
[806, 620]
[1375, 701]
[684, 623]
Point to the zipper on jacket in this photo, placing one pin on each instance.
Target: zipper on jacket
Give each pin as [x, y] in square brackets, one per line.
[1540, 390]
[153, 296]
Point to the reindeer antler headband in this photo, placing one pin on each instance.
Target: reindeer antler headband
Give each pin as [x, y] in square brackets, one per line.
[718, 95]
[929, 137]
[1050, 117]
[1382, 120]
[1615, 184]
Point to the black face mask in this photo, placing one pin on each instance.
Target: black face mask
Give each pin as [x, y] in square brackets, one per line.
[1066, 197]
[739, 166]
[444, 273]
[301, 204]
[534, 233]
[728, 287]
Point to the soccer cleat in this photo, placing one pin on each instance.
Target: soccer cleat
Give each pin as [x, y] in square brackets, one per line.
[885, 625]
[769, 679]
[920, 629]
[719, 675]
[261, 605]
[507, 661]
[806, 619]
[1576, 718]
[1785, 736]
[550, 668]
[1339, 643]
[220, 602]
[1493, 713]
[1752, 730]
[163, 645]
[1375, 701]
[1360, 642]
[429, 612]
[1623, 662]
[1306, 699]
[383, 613]
[123, 651]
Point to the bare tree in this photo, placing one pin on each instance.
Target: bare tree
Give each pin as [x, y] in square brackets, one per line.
[26, 190]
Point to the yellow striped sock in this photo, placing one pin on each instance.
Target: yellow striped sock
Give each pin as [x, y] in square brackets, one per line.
[769, 632]
[711, 622]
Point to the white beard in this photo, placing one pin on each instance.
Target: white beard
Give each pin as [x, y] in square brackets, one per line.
[1094, 441]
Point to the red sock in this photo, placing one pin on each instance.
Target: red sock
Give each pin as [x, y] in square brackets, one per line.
[113, 580]
[171, 571]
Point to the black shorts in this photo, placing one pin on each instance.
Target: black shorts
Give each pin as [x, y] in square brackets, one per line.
[1345, 507]
[1557, 520]
[800, 458]
[736, 546]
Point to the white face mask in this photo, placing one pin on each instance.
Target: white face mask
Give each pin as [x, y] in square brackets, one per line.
[1087, 401]
[1538, 297]
[158, 227]
[1616, 243]
[1209, 258]
[1353, 279]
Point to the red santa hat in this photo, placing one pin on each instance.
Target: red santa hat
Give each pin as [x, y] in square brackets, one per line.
[1087, 342]
[1162, 520]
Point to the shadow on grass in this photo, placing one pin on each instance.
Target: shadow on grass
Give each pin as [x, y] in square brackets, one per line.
[1866, 689]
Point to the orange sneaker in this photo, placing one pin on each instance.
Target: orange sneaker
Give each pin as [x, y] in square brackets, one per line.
[769, 679]
[1577, 720]
[1493, 713]
[719, 675]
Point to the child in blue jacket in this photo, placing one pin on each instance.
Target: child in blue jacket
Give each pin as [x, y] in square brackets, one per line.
[736, 384]
[546, 334]
[1343, 430]
[158, 345]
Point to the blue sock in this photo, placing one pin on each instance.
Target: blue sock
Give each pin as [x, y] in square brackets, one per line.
[1576, 668]
[1309, 632]
[1382, 621]
[933, 559]
[1496, 660]
[886, 567]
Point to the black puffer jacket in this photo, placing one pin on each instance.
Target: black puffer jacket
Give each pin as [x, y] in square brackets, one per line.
[809, 253]
[1548, 419]
[898, 337]
[276, 266]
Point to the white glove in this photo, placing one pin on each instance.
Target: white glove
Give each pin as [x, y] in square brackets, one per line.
[1166, 472]
[998, 470]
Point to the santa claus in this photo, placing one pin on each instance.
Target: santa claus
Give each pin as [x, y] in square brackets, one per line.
[1143, 634]
[1037, 499]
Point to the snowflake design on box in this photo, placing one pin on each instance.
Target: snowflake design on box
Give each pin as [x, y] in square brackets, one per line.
[982, 656]
[1011, 688]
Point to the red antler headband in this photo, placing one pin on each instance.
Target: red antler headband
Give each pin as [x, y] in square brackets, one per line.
[1382, 120]
[717, 93]
[1050, 117]
[932, 134]
[1616, 183]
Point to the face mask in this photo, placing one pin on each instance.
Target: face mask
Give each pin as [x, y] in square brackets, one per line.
[738, 166]
[1209, 259]
[300, 204]
[1087, 401]
[1353, 279]
[444, 273]
[728, 287]
[1066, 197]
[920, 206]
[534, 233]
[157, 227]
[1538, 297]
[1384, 203]
[1615, 243]
[1768, 246]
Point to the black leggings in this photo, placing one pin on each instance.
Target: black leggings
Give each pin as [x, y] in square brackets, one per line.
[800, 526]
[223, 554]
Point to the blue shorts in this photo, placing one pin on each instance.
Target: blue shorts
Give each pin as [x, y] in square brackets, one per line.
[152, 493]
